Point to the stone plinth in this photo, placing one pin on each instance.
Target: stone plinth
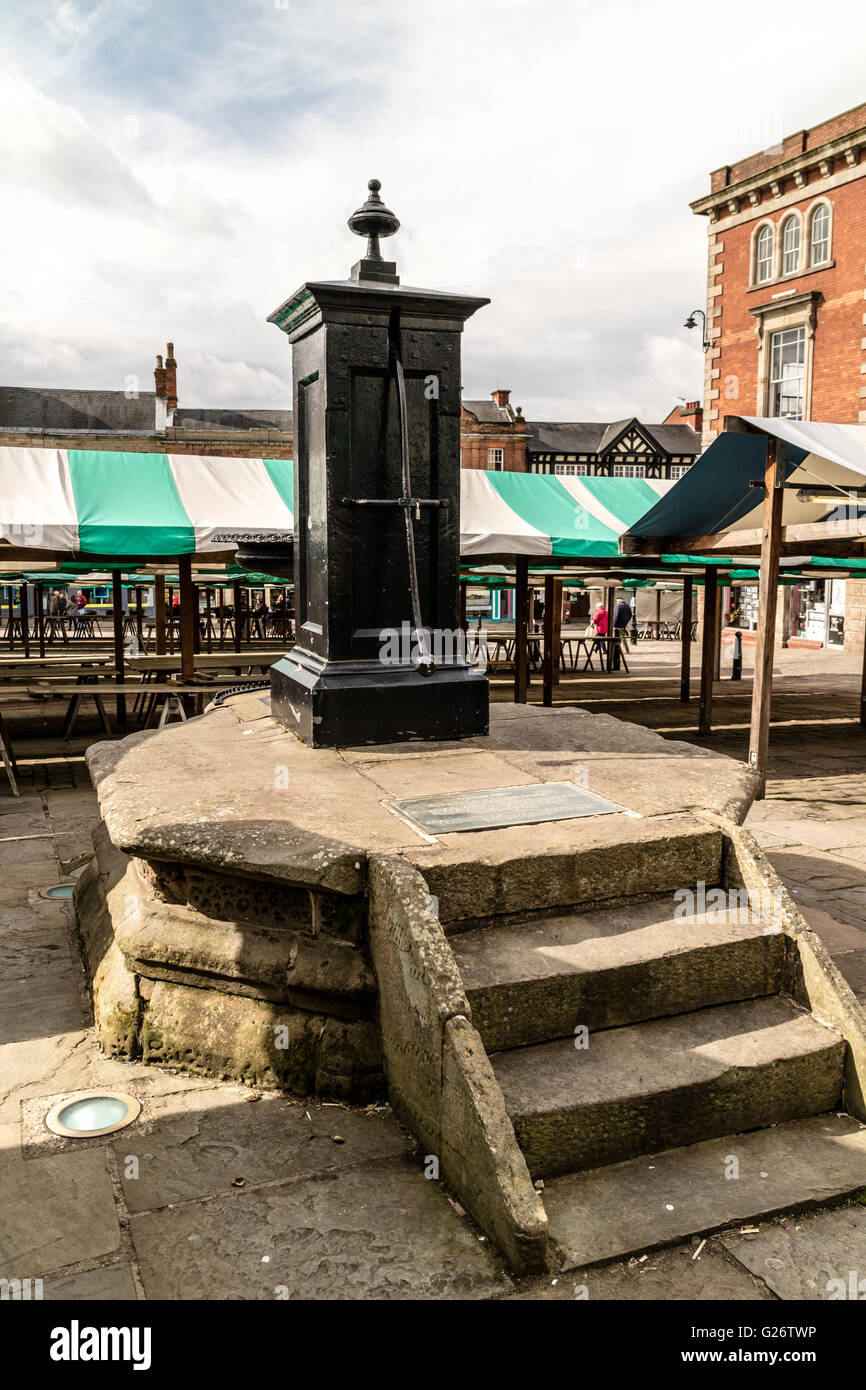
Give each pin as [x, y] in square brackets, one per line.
[225, 916]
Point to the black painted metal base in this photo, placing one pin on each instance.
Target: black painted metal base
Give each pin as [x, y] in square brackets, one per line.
[357, 703]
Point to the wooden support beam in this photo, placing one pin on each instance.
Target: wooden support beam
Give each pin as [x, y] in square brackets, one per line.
[717, 658]
[40, 616]
[208, 620]
[549, 662]
[238, 617]
[863, 687]
[521, 629]
[768, 588]
[611, 604]
[119, 669]
[708, 650]
[557, 626]
[139, 616]
[10, 593]
[462, 608]
[188, 620]
[24, 608]
[686, 641]
[159, 612]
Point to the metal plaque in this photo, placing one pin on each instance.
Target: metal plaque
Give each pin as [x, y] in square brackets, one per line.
[499, 806]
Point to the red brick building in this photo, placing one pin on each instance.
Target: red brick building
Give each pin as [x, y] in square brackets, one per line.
[787, 277]
[493, 434]
[786, 318]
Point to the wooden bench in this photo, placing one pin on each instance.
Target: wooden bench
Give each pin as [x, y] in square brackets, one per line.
[170, 693]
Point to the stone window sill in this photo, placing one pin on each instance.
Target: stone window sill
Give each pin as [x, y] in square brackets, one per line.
[789, 279]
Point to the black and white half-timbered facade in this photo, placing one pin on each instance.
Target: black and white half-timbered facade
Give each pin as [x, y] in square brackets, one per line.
[624, 449]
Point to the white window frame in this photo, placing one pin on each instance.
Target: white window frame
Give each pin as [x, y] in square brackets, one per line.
[791, 254]
[816, 209]
[570, 470]
[496, 459]
[778, 376]
[678, 469]
[764, 261]
[629, 470]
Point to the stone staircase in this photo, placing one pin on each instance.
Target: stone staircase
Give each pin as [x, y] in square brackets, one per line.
[657, 1077]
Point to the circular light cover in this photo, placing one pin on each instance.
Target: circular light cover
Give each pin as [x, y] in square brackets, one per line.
[91, 1113]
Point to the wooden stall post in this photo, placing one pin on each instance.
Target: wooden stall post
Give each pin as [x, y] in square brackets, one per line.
[686, 640]
[521, 629]
[139, 616]
[188, 616]
[238, 616]
[708, 650]
[24, 606]
[117, 614]
[159, 613]
[40, 616]
[768, 585]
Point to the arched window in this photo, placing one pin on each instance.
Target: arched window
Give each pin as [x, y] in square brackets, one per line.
[764, 255]
[820, 235]
[790, 245]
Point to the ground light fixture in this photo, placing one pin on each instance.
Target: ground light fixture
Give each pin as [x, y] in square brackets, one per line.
[60, 890]
[87, 1114]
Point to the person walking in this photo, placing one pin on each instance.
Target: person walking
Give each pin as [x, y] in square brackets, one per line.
[622, 616]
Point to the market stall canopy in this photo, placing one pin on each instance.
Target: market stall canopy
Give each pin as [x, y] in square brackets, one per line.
[546, 514]
[715, 505]
[123, 505]
[112, 503]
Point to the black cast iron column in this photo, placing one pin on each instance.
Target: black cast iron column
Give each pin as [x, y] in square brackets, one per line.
[360, 672]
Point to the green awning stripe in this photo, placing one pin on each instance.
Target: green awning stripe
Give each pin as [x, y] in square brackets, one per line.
[127, 504]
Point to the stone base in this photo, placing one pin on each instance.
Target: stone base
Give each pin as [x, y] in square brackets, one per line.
[239, 1000]
[330, 707]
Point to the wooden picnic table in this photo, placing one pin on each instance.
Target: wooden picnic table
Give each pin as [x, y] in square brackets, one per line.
[170, 691]
[204, 661]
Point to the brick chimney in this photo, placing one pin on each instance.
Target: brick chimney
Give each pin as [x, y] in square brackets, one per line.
[692, 414]
[165, 388]
[171, 376]
[501, 397]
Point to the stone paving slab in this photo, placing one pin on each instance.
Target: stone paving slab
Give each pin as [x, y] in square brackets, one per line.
[801, 1260]
[56, 1211]
[376, 1232]
[111, 1283]
[675, 1275]
[200, 1143]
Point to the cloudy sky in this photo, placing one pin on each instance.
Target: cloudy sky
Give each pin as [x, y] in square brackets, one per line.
[175, 170]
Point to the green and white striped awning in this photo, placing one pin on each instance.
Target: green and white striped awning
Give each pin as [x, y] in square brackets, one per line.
[547, 514]
[113, 503]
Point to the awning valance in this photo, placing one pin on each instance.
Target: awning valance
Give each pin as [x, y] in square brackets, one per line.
[91, 502]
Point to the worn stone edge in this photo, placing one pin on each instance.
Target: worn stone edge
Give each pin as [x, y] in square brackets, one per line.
[462, 1117]
[812, 977]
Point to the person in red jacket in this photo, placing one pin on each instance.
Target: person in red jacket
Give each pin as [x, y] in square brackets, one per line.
[599, 621]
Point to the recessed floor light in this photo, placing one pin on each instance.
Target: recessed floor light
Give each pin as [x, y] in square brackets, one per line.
[60, 890]
[90, 1113]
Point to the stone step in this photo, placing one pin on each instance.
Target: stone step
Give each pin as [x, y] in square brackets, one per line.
[629, 1208]
[566, 866]
[668, 1082]
[529, 982]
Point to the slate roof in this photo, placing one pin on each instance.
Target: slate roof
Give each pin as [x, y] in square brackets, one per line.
[594, 437]
[203, 418]
[488, 412]
[47, 408]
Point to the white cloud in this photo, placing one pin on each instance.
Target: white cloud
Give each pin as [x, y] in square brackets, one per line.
[179, 180]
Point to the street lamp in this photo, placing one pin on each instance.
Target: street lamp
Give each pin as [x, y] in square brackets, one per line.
[690, 323]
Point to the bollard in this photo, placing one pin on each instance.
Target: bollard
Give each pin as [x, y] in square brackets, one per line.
[737, 666]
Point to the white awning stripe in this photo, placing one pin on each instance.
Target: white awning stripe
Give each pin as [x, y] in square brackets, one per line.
[488, 525]
[37, 506]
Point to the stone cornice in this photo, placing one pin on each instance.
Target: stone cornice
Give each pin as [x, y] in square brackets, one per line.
[823, 158]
